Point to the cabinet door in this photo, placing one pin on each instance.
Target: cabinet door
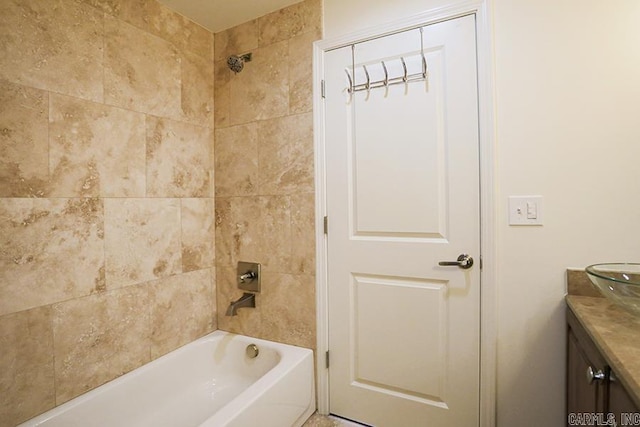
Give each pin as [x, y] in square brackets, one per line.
[598, 396]
[620, 403]
[582, 395]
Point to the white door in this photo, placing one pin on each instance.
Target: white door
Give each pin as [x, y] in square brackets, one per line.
[402, 195]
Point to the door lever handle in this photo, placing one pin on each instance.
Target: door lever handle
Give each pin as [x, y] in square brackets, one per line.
[464, 261]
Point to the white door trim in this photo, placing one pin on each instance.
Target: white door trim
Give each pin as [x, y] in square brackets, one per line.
[488, 302]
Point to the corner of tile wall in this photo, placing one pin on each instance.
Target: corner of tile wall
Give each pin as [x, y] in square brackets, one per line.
[264, 172]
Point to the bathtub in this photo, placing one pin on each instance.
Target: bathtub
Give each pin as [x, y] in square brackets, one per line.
[210, 382]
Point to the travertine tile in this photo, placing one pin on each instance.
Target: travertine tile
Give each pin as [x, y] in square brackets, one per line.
[142, 240]
[274, 233]
[54, 45]
[155, 18]
[303, 249]
[143, 76]
[301, 72]
[196, 103]
[236, 160]
[95, 150]
[112, 7]
[198, 234]
[289, 22]
[237, 230]
[178, 159]
[99, 338]
[288, 309]
[267, 216]
[221, 93]
[261, 90]
[26, 362]
[52, 250]
[238, 40]
[286, 155]
[256, 229]
[189, 36]
[24, 149]
[76, 80]
[182, 310]
[183, 33]
[248, 320]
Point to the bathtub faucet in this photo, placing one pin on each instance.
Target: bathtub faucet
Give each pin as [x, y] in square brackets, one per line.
[247, 300]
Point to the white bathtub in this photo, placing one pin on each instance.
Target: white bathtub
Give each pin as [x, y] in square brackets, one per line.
[209, 383]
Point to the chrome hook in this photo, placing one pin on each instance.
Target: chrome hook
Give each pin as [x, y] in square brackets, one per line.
[350, 88]
[424, 60]
[367, 85]
[404, 67]
[385, 82]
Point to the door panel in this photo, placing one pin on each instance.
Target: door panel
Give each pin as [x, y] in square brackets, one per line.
[407, 301]
[393, 145]
[402, 195]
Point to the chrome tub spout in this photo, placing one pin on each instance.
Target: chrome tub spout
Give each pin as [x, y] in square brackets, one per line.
[247, 300]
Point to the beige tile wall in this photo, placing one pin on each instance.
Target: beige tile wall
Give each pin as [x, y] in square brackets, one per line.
[264, 172]
[107, 255]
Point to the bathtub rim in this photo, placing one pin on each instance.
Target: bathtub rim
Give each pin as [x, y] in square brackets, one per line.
[269, 378]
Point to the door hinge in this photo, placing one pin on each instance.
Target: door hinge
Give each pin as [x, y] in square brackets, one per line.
[322, 88]
[326, 359]
[481, 262]
[326, 225]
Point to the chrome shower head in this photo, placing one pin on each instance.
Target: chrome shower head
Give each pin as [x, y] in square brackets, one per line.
[236, 62]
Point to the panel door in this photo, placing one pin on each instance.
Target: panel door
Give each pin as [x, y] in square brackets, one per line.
[402, 195]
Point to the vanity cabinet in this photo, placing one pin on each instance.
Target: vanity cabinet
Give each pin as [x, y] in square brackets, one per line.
[592, 386]
[584, 395]
[619, 400]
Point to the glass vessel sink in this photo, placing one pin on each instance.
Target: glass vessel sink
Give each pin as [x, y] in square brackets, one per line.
[619, 282]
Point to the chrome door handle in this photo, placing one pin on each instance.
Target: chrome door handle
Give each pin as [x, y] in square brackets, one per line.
[464, 261]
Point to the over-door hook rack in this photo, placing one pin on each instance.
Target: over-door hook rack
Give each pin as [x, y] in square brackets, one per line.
[403, 79]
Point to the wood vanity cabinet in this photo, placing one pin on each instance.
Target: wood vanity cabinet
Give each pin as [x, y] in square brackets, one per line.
[583, 395]
[619, 399]
[592, 387]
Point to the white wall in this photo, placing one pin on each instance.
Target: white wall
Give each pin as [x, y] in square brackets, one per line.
[567, 98]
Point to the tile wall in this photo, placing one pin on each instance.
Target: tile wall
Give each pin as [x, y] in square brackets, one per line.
[107, 256]
[264, 192]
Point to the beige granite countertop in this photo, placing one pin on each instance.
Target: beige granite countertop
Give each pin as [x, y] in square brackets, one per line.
[616, 333]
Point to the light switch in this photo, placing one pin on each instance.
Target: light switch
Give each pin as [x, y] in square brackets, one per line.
[532, 210]
[525, 210]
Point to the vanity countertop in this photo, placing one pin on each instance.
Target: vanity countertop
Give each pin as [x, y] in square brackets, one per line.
[616, 333]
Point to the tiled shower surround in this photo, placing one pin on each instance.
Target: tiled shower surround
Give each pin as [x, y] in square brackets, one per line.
[108, 207]
[264, 172]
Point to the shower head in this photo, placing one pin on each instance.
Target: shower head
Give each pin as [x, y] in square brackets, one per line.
[236, 62]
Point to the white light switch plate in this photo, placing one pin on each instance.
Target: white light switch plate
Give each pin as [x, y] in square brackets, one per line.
[525, 210]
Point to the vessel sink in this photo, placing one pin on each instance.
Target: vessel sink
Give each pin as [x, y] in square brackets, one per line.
[620, 282]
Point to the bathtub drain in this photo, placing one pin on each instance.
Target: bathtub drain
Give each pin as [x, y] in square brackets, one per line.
[252, 351]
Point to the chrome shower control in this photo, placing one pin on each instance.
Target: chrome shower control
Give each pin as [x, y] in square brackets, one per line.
[248, 276]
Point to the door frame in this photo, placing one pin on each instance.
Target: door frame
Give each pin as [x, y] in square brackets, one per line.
[488, 208]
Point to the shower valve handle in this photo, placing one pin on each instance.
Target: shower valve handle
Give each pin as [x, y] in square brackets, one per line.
[249, 275]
